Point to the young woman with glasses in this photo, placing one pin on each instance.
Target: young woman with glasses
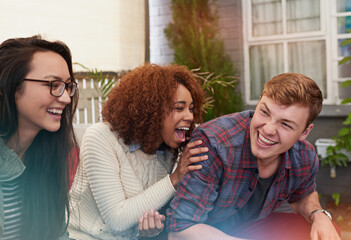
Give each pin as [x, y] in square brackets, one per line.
[127, 168]
[37, 102]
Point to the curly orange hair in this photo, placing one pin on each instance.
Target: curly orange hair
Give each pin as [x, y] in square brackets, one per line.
[137, 105]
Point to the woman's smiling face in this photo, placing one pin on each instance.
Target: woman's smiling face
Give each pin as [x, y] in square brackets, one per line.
[37, 109]
[178, 121]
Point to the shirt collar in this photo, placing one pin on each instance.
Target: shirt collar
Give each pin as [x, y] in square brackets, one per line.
[286, 160]
[134, 146]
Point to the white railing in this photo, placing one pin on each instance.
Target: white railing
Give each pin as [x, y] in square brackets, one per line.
[89, 103]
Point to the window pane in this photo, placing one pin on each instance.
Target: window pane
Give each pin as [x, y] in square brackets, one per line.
[309, 58]
[302, 15]
[266, 61]
[344, 24]
[344, 51]
[344, 71]
[344, 92]
[343, 5]
[266, 17]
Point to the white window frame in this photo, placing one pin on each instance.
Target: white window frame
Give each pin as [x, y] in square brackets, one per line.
[335, 37]
[328, 33]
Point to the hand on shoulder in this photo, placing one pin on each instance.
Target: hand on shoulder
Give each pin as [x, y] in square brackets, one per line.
[192, 153]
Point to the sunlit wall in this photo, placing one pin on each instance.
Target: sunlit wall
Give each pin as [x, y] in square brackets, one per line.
[105, 34]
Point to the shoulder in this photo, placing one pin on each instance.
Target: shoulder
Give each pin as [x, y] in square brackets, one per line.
[304, 147]
[99, 127]
[302, 152]
[228, 128]
[11, 165]
[101, 135]
[99, 131]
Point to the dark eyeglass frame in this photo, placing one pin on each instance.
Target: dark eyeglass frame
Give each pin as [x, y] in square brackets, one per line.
[72, 83]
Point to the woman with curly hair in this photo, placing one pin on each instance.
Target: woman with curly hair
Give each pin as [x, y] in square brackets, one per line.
[125, 175]
[37, 103]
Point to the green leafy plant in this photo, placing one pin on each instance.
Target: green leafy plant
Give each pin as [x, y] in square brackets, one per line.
[334, 157]
[208, 83]
[336, 198]
[194, 36]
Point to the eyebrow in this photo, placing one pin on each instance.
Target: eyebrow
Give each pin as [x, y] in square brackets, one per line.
[183, 102]
[283, 120]
[58, 78]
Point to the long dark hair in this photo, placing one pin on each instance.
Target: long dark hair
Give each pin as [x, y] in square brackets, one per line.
[45, 179]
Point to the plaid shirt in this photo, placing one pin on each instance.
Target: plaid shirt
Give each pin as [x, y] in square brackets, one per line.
[228, 178]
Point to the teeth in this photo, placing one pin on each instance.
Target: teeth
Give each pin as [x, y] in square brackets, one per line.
[265, 140]
[55, 111]
[183, 128]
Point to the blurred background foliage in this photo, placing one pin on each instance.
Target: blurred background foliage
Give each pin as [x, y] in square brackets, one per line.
[194, 36]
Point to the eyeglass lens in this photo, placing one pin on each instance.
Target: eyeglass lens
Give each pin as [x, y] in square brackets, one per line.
[58, 87]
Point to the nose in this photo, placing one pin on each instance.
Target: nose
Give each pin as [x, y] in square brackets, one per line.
[64, 98]
[270, 128]
[188, 116]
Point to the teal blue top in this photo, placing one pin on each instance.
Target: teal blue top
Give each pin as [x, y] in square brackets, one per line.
[11, 167]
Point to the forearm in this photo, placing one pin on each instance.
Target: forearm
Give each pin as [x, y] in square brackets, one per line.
[306, 205]
[322, 227]
[200, 232]
[115, 187]
[121, 213]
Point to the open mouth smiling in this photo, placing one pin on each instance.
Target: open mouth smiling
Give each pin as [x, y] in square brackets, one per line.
[55, 111]
[265, 141]
[180, 133]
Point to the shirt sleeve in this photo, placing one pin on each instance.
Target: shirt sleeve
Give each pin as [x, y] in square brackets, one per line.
[101, 156]
[197, 191]
[309, 168]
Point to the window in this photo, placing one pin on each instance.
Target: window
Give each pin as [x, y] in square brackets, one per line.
[296, 36]
[342, 21]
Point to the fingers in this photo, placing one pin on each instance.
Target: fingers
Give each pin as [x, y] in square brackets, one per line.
[191, 152]
[151, 224]
[151, 219]
[159, 219]
[193, 144]
[193, 149]
[143, 224]
[197, 151]
[194, 168]
[192, 155]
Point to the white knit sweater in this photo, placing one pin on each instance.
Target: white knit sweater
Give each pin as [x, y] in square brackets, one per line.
[113, 187]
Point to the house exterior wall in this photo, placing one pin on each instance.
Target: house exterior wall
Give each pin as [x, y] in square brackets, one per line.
[159, 16]
[230, 12]
[230, 29]
[108, 35]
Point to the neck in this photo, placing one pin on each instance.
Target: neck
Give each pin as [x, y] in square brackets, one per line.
[268, 167]
[19, 142]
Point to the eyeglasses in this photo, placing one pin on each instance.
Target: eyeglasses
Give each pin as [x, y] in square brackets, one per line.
[57, 87]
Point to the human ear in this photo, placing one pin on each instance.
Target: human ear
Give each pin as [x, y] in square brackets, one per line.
[306, 132]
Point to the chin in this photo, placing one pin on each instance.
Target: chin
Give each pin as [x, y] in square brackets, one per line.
[173, 145]
[53, 128]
